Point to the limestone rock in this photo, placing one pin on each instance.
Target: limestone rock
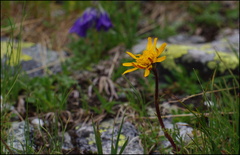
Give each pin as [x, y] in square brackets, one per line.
[184, 131]
[185, 39]
[37, 122]
[33, 57]
[185, 50]
[17, 139]
[67, 144]
[86, 138]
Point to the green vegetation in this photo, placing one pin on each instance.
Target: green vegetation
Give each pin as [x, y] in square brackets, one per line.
[213, 14]
[215, 129]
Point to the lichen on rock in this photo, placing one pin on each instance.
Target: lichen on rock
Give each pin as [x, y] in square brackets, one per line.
[86, 138]
[224, 61]
[173, 52]
[203, 55]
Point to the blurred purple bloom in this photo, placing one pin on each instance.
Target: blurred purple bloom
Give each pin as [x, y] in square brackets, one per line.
[103, 21]
[85, 22]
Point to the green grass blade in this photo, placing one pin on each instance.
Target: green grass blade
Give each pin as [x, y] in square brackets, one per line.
[124, 146]
[118, 136]
[97, 138]
[112, 147]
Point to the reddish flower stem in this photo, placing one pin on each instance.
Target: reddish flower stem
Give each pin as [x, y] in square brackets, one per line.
[175, 148]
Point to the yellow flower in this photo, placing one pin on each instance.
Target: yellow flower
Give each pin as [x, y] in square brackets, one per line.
[147, 58]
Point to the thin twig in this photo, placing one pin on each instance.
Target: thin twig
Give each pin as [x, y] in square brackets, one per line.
[191, 96]
[16, 112]
[145, 29]
[11, 152]
[113, 64]
[22, 23]
[183, 115]
[42, 67]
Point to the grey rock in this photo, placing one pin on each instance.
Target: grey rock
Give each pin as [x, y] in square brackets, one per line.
[30, 65]
[227, 42]
[37, 122]
[6, 106]
[195, 53]
[41, 54]
[184, 131]
[86, 138]
[185, 39]
[17, 138]
[67, 144]
[230, 33]
[40, 57]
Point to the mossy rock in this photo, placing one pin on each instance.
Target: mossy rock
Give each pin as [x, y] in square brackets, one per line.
[86, 137]
[33, 58]
[222, 54]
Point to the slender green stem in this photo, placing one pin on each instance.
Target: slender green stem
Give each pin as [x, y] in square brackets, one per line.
[175, 148]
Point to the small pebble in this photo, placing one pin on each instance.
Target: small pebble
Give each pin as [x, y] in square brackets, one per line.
[37, 122]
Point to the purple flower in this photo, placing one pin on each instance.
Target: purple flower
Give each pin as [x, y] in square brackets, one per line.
[85, 22]
[91, 17]
[103, 21]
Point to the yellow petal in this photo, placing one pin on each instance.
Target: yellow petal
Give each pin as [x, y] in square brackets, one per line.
[161, 49]
[147, 72]
[161, 59]
[138, 65]
[141, 66]
[131, 55]
[138, 55]
[129, 70]
[155, 43]
[146, 52]
[149, 44]
[127, 64]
